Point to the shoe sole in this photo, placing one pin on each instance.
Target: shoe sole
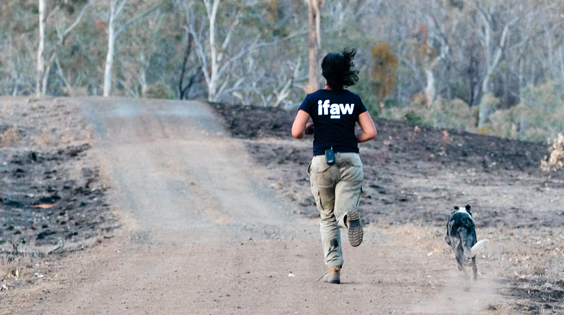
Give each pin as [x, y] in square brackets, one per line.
[333, 282]
[355, 229]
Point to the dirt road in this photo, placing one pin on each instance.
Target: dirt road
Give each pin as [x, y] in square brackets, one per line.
[205, 234]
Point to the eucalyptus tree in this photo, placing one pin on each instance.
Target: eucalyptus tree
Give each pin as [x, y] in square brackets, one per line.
[116, 27]
[213, 24]
[59, 16]
[314, 43]
[40, 49]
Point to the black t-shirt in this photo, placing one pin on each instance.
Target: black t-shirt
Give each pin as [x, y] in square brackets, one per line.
[334, 115]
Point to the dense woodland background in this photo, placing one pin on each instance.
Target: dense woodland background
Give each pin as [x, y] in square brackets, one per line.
[487, 66]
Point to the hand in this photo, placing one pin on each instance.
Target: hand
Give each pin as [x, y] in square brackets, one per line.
[309, 129]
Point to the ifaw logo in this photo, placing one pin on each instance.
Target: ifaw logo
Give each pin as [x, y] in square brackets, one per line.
[335, 110]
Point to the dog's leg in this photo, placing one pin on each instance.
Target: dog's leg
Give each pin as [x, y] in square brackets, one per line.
[454, 246]
[459, 254]
[460, 265]
[474, 268]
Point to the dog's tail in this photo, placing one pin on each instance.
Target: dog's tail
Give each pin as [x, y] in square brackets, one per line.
[474, 250]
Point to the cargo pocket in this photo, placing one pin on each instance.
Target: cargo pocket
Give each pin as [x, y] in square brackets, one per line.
[317, 198]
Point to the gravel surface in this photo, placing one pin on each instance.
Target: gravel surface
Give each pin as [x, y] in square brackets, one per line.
[417, 174]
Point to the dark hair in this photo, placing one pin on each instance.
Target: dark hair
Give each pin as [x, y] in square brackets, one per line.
[338, 69]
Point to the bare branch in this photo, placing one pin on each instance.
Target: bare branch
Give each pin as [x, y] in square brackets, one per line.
[57, 9]
[238, 56]
[73, 25]
[121, 5]
[303, 31]
[199, 48]
[62, 76]
[235, 86]
[317, 22]
[135, 18]
[231, 29]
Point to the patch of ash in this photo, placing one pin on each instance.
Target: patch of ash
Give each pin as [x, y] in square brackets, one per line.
[536, 296]
[51, 190]
[412, 174]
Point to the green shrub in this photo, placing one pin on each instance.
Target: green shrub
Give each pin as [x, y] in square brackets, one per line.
[539, 116]
[413, 118]
[451, 114]
[159, 90]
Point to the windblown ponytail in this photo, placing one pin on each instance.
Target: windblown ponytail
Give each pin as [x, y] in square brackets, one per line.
[338, 69]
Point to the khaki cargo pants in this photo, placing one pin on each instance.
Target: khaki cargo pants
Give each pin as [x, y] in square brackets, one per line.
[336, 189]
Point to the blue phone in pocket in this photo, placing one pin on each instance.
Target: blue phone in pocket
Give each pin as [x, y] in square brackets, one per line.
[330, 156]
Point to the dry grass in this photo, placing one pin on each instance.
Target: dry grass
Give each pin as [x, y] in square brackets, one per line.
[9, 137]
[45, 138]
[89, 133]
[513, 258]
[428, 237]
[529, 254]
[518, 252]
[15, 269]
[6, 110]
[555, 161]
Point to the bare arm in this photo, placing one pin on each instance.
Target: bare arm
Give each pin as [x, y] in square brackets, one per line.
[368, 129]
[300, 125]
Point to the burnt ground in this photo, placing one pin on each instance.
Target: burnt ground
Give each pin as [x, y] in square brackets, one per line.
[403, 151]
[413, 177]
[537, 296]
[416, 174]
[51, 190]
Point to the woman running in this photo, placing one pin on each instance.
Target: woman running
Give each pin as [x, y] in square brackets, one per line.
[336, 169]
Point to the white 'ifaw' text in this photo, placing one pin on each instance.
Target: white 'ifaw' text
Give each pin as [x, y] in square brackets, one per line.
[335, 110]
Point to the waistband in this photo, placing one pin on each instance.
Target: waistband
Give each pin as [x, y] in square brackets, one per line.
[340, 154]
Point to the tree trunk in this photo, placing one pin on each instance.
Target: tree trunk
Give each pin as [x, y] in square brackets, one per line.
[550, 50]
[15, 73]
[430, 88]
[184, 90]
[143, 72]
[213, 52]
[41, 49]
[45, 79]
[47, 66]
[16, 84]
[483, 114]
[62, 76]
[493, 56]
[314, 40]
[143, 81]
[181, 88]
[561, 63]
[110, 55]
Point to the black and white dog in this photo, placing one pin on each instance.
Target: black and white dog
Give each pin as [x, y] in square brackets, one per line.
[461, 236]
